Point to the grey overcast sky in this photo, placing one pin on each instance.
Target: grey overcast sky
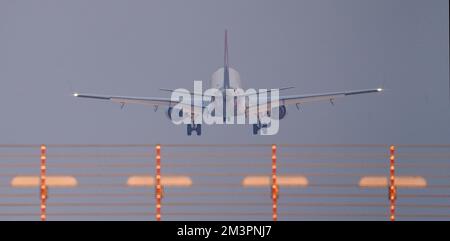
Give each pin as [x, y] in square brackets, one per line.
[50, 48]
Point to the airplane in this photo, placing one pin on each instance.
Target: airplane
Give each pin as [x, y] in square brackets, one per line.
[226, 78]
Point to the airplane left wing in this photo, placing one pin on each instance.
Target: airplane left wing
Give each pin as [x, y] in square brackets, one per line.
[128, 100]
[153, 101]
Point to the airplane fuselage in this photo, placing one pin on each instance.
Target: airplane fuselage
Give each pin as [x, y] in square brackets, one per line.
[224, 79]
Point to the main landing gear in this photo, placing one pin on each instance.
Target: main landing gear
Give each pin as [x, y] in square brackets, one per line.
[194, 127]
[257, 127]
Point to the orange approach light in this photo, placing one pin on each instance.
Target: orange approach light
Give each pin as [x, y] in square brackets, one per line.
[265, 181]
[51, 181]
[167, 181]
[400, 181]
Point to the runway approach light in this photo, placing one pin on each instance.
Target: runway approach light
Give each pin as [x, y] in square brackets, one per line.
[400, 181]
[167, 181]
[264, 181]
[51, 181]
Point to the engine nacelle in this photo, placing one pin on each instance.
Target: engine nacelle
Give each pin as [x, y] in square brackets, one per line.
[169, 113]
[282, 112]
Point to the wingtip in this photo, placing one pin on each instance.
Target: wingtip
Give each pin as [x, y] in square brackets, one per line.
[75, 94]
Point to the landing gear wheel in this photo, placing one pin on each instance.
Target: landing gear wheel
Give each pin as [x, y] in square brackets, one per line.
[198, 129]
[189, 129]
[194, 127]
[257, 127]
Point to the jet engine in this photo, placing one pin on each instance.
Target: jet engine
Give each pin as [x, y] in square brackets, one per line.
[169, 113]
[282, 112]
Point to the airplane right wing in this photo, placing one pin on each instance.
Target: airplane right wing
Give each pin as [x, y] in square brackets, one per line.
[300, 99]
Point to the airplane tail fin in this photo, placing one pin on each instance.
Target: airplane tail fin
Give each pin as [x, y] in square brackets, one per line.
[226, 77]
[225, 56]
